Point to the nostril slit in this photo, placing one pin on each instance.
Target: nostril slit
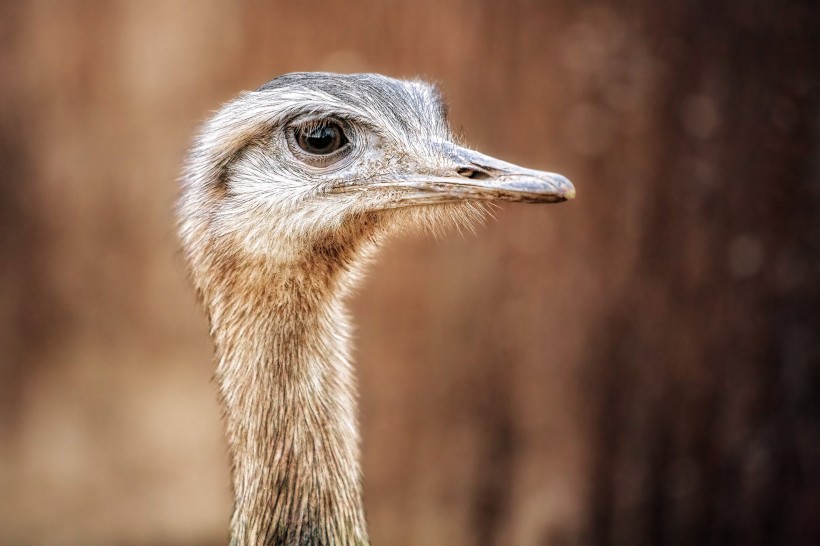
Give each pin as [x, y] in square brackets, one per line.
[474, 174]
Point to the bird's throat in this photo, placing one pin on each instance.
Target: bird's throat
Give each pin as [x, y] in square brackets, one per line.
[288, 392]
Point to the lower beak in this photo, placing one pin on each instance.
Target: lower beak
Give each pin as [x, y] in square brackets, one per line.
[469, 175]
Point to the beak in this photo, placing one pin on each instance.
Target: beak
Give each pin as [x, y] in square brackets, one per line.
[469, 175]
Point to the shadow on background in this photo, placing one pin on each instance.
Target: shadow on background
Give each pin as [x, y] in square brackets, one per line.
[639, 366]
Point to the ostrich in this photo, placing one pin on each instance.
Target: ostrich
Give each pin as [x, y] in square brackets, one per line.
[287, 192]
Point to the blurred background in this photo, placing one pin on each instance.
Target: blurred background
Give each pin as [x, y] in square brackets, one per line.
[638, 366]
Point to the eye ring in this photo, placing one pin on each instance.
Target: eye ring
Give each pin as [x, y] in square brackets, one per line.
[320, 142]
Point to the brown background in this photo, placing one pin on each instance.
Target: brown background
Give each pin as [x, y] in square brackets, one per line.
[639, 366]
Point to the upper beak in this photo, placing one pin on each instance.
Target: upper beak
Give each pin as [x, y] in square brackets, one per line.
[469, 175]
[479, 176]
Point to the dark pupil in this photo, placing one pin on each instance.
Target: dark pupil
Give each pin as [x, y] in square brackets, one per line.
[321, 140]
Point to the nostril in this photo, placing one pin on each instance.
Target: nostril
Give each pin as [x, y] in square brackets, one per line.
[473, 173]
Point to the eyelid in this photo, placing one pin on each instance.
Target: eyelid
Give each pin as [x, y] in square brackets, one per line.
[313, 124]
[317, 120]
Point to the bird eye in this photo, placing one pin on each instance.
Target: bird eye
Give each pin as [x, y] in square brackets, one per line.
[322, 138]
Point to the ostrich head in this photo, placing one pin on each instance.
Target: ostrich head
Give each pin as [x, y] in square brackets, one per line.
[317, 161]
[286, 190]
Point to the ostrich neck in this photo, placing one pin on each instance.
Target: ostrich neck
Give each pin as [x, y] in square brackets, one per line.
[288, 391]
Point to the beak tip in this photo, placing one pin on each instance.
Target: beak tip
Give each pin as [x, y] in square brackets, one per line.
[569, 193]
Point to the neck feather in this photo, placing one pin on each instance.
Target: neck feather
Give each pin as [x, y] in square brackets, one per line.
[281, 336]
